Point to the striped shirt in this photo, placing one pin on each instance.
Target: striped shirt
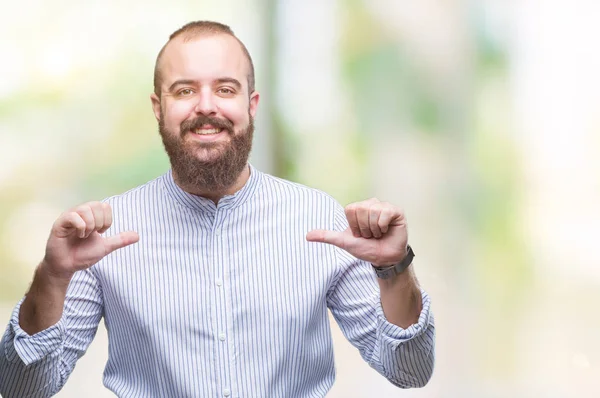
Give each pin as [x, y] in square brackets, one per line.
[225, 300]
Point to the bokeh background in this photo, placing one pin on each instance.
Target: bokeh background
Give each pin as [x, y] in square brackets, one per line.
[480, 117]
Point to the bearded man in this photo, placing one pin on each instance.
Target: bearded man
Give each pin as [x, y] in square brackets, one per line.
[215, 279]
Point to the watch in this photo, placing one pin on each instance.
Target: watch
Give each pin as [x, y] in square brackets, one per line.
[393, 270]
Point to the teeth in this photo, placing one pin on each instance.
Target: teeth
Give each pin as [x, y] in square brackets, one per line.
[207, 131]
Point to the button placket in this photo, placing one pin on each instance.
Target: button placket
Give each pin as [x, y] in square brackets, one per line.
[221, 331]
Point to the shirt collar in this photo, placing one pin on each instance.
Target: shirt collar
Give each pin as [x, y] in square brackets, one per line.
[200, 203]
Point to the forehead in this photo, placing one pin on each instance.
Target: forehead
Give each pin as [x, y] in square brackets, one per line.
[204, 59]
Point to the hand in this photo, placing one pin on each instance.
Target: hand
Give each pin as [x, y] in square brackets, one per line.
[75, 242]
[377, 233]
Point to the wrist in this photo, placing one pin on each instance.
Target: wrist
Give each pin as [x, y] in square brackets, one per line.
[48, 273]
[389, 271]
[388, 263]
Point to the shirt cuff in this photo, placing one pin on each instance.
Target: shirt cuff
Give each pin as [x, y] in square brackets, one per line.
[31, 348]
[396, 335]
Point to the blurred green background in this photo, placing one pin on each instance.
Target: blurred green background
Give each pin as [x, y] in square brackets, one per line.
[480, 118]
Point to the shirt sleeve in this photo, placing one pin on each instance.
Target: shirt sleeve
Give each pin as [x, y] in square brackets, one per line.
[38, 365]
[404, 356]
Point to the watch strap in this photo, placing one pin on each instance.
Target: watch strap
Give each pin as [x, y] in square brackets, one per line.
[393, 270]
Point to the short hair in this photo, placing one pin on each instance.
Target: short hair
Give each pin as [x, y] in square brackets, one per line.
[191, 31]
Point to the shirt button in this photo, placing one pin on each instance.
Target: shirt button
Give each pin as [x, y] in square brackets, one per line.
[219, 282]
[227, 392]
[222, 336]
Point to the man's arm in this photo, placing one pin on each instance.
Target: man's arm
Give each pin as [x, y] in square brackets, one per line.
[389, 321]
[52, 327]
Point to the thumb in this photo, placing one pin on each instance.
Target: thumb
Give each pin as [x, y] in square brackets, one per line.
[121, 240]
[324, 236]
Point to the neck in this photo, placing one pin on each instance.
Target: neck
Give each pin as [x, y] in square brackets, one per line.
[211, 194]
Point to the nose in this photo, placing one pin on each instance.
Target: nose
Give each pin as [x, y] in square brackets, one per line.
[206, 104]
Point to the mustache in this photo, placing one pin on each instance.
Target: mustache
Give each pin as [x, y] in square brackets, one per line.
[189, 125]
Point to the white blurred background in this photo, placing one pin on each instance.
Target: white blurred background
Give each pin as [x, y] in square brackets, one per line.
[481, 118]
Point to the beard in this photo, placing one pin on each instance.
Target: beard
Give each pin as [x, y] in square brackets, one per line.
[221, 164]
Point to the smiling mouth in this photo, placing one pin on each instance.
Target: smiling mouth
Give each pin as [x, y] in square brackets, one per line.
[203, 131]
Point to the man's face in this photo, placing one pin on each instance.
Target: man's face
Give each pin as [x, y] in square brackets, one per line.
[205, 112]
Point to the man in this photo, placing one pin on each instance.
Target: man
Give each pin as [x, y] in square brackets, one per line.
[224, 286]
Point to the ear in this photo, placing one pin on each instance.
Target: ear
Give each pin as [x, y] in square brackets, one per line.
[155, 106]
[254, 98]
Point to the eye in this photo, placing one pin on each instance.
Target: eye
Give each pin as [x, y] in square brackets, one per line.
[185, 92]
[225, 90]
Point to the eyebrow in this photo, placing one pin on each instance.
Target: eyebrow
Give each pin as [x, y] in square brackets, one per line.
[230, 80]
[222, 80]
[179, 83]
